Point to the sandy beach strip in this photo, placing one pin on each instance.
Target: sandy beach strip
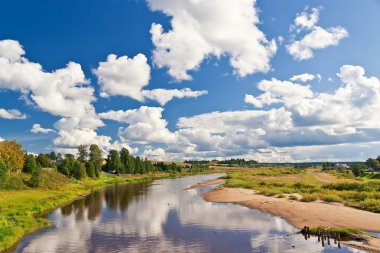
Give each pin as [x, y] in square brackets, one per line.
[301, 214]
[208, 183]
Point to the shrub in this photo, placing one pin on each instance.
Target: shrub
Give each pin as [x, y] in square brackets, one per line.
[309, 198]
[13, 183]
[3, 171]
[36, 179]
[53, 179]
[331, 198]
[30, 164]
[90, 169]
[79, 170]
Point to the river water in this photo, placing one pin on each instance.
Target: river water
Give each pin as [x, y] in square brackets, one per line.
[164, 217]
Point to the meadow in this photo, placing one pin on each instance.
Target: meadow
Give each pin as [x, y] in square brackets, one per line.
[309, 185]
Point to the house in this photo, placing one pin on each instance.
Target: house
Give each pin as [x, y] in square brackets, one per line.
[342, 166]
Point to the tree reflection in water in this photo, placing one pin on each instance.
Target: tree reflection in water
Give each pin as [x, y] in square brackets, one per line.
[164, 217]
[117, 197]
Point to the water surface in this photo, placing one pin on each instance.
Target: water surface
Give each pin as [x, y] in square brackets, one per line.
[164, 217]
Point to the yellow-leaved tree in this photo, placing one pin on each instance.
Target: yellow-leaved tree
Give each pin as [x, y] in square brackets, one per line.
[12, 155]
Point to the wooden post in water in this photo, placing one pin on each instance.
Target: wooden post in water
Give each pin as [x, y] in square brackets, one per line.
[305, 232]
[328, 237]
[308, 232]
[335, 237]
[338, 239]
[323, 238]
[319, 235]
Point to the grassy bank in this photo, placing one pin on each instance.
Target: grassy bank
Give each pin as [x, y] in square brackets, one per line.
[21, 211]
[345, 233]
[310, 185]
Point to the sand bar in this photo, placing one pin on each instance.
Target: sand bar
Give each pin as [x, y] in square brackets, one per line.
[301, 214]
[208, 183]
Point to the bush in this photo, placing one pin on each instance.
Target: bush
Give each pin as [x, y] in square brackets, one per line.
[331, 198]
[30, 164]
[79, 170]
[13, 183]
[3, 171]
[53, 179]
[90, 169]
[309, 198]
[36, 179]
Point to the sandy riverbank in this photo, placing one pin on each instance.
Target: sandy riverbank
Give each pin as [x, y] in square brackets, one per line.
[301, 214]
[208, 183]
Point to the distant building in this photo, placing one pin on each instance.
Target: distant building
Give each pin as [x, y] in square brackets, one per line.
[342, 166]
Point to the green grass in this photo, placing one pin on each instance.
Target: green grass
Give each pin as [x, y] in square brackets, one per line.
[361, 193]
[345, 233]
[21, 210]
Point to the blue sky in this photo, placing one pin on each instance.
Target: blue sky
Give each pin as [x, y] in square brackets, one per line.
[250, 108]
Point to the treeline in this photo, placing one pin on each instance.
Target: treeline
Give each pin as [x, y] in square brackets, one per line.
[370, 166]
[88, 163]
[238, 162]
[121, 162]
[13, 160]
[199, 161]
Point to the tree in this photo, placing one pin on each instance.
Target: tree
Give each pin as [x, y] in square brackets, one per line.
[12, 155]
[53, 156]
[124, 158]
[36, 178]
[131, 165]
[113, 161]
[79, 170]
[67, 166]
[70, 156]
[83, 153]
[43, 160]
[30, 164]
[3, 171]
[96, 158]
[139, 165]
[90, 169]
[148, 165]
[358, 169]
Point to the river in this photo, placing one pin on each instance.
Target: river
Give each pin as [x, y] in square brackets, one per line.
[162, 216]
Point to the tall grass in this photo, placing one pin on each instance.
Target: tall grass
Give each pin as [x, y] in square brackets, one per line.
[362, 194]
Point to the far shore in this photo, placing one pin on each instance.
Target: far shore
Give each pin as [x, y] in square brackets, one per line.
[300, 214]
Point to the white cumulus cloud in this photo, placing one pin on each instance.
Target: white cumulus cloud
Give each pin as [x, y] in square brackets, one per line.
[163, 96]
[277, 91]
[36, 128]
[123, 76]
[11, 49]
[64, 92]
[128, 76]
[11, 114]
[205, 28]
[145, 125]
[307, 20]
[306, 77]
[318, 38]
